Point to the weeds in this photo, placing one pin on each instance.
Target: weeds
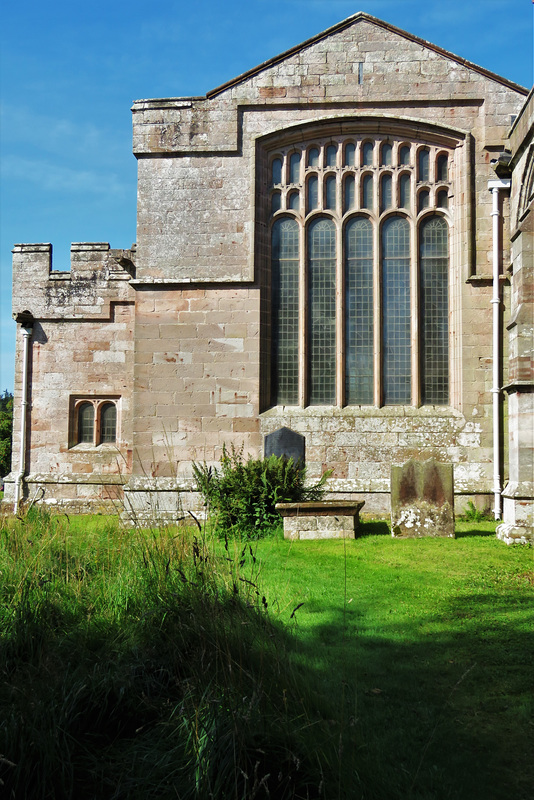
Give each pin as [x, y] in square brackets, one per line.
[242, 494]
[144, 664]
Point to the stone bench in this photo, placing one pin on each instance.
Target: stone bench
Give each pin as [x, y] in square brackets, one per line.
[329, 519]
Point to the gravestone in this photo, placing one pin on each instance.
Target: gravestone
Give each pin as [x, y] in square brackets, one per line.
[287, 443]
[422, 499]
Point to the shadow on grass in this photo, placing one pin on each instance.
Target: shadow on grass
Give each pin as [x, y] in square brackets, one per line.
[443, 715]
[373, 528]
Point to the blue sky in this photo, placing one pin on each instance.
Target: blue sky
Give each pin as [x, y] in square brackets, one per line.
[69, 73]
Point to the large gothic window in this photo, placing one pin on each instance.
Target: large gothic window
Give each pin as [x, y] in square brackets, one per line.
[359, 236]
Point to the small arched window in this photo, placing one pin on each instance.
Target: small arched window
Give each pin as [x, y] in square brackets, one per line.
[108, 423]
[86, 423]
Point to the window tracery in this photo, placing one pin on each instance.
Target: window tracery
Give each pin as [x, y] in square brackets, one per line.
[360, 238]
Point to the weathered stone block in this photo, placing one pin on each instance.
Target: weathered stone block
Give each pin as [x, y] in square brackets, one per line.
[422, 499]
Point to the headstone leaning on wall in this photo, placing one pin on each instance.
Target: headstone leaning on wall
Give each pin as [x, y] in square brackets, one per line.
[422, 499]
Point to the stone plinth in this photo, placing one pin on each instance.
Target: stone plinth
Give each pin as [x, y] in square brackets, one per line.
[321, 519]
[422, 499]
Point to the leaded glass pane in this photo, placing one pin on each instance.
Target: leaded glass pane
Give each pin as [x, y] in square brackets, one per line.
[294, 168]
[86, 423]
[396, 337]
[313, 157]
[294, 201]
[423, 165]
[367, 154]
[359, 311]
[423, 199]
[276, 202]
[330, 192]
[276, 171]
[404, 191]
[442, 167]
[387, 154]
[434, 280]
[385, 192]
[322, 311]
[108, 423]
[331, 154]
[367, 192]
[350, 189]
[313, 192]
[443, 199]
[285, 306]
[350, 154]
[404, 155]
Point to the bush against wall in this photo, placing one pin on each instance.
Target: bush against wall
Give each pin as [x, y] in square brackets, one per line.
[6, 432]
[242, 494]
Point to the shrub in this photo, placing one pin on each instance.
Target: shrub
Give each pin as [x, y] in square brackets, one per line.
[243, 493]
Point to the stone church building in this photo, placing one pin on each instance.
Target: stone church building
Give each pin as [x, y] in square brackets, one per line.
[338, 241]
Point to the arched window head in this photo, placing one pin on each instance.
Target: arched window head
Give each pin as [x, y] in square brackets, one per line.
[313, 193]
[331, 155]
[367, 154]
[443, 199]
[350, 154]
[293, 201]
[404, 155]
[442, 167]
[294, 168]
[86, 423]
[423, 165]
[313, 157]
[386, 155]
[276, 202]
[108, 423]
[276, 171]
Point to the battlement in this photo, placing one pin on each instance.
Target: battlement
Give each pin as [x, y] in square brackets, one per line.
[98, 275]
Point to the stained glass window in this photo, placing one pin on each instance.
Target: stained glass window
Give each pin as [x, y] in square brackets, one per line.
[434, 278]
[322, 311]
[86, 423]
[359, 311]
[285, 302]
[108, 422]
[350, 154]
[379, 289]
[294, 168]
[396, 335]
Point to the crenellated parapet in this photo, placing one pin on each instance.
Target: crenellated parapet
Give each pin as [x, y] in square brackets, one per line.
[98, 277]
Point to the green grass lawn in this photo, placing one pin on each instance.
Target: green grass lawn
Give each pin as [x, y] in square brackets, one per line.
[374, 668]
[433, 643]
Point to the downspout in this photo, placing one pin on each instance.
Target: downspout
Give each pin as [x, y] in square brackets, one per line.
[26, 320]
[494, 187]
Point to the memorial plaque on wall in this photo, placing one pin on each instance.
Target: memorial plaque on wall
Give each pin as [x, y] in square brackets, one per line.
[287, 443]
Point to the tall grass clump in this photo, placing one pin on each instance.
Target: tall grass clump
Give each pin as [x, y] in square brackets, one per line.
[146, 664]
[241, 495]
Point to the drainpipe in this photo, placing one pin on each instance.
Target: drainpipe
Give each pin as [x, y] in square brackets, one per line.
[26, 321]
[495, 187]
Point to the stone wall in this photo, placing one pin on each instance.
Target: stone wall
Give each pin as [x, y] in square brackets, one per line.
[81, 348]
